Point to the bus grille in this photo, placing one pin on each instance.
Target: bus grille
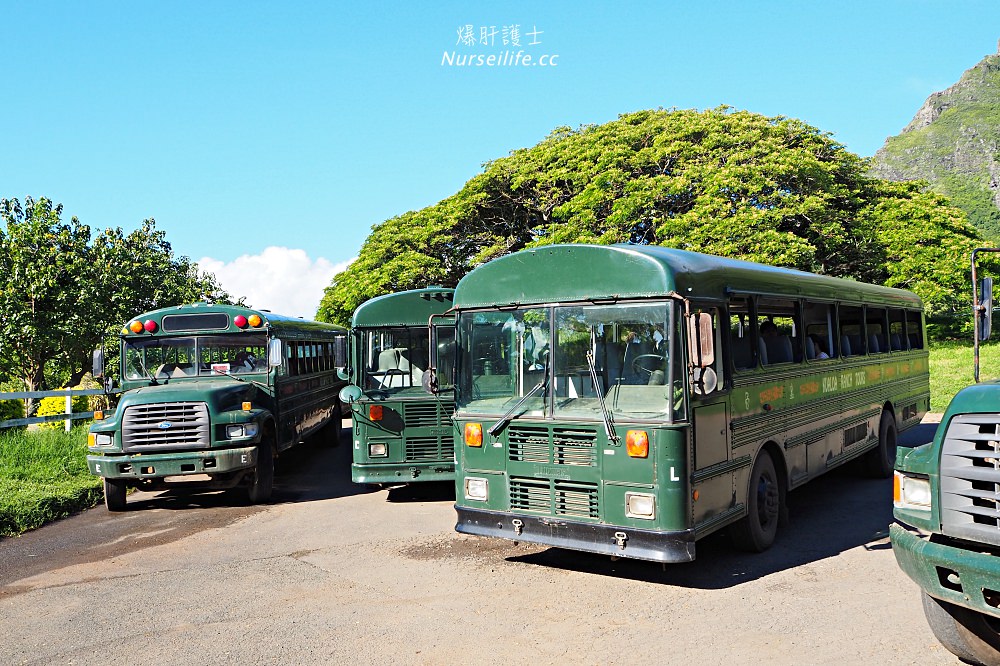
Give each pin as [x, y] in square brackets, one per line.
[574, 447]
[558, 498]
[420, 414]
[165, 426]
[424, 448]
[563, 446]
[970, 478]
[528, 444]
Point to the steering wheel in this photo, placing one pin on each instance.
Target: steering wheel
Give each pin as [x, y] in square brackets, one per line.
[637, 366]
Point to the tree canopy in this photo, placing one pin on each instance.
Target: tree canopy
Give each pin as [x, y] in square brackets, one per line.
[732, 183]
[62, 290]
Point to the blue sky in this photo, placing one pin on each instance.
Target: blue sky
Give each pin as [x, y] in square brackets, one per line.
[266, 139]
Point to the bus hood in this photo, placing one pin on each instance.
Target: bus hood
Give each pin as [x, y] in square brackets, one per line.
[220, 394]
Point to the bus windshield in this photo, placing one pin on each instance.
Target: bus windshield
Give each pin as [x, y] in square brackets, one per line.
[393, 358]
[507, 354]
[170, 358]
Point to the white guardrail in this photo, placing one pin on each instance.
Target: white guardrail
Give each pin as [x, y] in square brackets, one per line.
[69, 416]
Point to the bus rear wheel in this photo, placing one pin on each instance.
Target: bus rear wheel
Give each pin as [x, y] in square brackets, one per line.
[969, 635]
[262, 483]
[879, 462]
[114, 494]
[755, 532]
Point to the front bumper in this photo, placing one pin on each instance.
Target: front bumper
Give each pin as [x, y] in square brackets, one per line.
[931, 564]
[589, 537]
[402, 472]
[159, 465]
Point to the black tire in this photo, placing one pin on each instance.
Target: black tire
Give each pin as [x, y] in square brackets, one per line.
[114, 494]
[755, 532]
[879, 462]
[969, 635]
[262, 482]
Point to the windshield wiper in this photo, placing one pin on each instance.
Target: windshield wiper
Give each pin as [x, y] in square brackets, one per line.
[145, 372]
[239, 379]
[497, 427]
[609, 425]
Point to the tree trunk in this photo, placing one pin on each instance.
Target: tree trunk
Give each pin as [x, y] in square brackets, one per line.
[33, 382]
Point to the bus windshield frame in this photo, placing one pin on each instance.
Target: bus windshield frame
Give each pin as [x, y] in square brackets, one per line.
[541, 352]
[190, 356]
[394, 358]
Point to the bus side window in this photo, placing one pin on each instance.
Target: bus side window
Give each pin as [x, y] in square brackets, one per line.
[779, 330]
[741, 344]
[851, 320]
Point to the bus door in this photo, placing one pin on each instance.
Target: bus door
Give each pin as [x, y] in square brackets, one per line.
[711, 449]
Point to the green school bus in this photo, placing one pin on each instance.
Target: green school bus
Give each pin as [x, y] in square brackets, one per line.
[946, 505]
[629, 400]
[212, 394]
[401, 434]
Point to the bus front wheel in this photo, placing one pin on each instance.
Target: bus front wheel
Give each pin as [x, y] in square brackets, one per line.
[755, 532]
[114, 494]
[259, 490]
[970, 636]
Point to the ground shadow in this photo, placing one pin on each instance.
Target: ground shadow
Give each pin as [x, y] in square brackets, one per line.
[427, 491]
[314, 470]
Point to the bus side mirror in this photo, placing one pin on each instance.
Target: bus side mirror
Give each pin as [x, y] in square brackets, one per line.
[350, 394]
[274, 358]
[98, 370]
[985, 305]
[340, 352]
[701, 343]
[344, 373]
[429, 381]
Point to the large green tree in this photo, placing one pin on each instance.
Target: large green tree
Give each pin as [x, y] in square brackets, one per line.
[724, 182]
[62, 290]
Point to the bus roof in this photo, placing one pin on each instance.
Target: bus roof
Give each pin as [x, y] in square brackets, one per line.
[569, 273]
[404, 308]
[191, 319]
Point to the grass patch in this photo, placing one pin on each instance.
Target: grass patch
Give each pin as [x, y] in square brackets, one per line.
[951, 369]
[43, 476]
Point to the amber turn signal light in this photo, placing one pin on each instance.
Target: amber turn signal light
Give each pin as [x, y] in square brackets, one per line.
[247, 406]
[637, 443]
[375, 412]
[473, 434]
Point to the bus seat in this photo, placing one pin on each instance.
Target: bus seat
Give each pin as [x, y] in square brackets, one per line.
[873, 346]
[762, 351]
[810, 349]
[742, 356]
[392, 359]
[779, 349]
[895, 342]
[845, 345]
[857, 344]
[914, 341]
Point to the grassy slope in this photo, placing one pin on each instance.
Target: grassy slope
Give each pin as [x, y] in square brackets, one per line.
[43, 476]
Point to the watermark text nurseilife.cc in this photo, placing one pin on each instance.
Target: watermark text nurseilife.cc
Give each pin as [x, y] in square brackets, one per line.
[503, 59]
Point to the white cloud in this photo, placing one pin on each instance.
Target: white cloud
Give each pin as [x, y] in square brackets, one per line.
[280, 279]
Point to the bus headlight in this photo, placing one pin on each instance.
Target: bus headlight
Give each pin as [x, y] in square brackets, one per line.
[100, 439]
[640, 505]
[477, 489]
[241, 430]
[911, 492]
[379, 450]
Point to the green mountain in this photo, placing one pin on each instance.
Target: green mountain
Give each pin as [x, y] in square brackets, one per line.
[954, 143]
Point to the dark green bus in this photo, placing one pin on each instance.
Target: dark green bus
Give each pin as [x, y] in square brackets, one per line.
[211, 395]
[401, 434]
[629, 400]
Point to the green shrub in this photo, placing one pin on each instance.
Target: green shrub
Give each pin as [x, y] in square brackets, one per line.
[57, 405]
[11, 409]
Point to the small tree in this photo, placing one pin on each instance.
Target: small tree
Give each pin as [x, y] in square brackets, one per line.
[61, 291]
